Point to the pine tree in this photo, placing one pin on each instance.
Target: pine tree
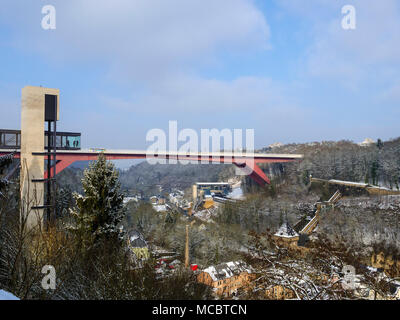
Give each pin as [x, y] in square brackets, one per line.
[374, 172]
[379, 144]
[169, 220]
[99, 211]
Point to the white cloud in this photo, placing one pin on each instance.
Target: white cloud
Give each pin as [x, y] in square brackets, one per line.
[140, 39]
[354, 57]
[245, 102]
[186, 93]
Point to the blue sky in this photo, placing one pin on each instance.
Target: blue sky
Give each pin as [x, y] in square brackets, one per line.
[285, 68]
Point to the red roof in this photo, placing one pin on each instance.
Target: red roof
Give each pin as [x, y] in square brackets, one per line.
[193, 267]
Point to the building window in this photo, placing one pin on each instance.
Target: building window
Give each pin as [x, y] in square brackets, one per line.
[10, 139]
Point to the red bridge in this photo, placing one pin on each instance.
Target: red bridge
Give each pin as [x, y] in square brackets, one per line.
[247, 161]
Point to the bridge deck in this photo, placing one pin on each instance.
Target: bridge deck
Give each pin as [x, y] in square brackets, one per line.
[130, 154]
[67, 157]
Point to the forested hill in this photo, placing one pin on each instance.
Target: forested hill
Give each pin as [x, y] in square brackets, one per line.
[145, 177]
[170, 176]
[378, 163]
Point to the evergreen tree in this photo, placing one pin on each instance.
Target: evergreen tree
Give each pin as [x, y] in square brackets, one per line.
[169, 220]
[374, 172]
[379, 144]
[99, 211]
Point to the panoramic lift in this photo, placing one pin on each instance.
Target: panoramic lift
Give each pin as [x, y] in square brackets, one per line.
[33, 144]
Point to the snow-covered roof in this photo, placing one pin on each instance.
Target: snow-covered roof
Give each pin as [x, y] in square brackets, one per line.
[227, 270]
[4, 295]
[286, 231]
[136, 239]
[160, 207]
[176, 262]
[127, 199]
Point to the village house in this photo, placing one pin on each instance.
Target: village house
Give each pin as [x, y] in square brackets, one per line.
[286, 236]
[278, 292]
[154, 200]
[138, 247]
[390, 264]
[227, 278]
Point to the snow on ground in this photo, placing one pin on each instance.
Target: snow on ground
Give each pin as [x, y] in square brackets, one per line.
[4, 295]
[127, 199]
[382, 203]
[160, 208]
[286, 231]
[227, 270]
[205, 215]
[236, 193]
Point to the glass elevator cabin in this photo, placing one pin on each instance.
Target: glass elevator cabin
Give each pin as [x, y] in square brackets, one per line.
[11, 139]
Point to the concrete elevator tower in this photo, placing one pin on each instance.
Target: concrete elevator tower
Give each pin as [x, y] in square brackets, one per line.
[37, 106]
